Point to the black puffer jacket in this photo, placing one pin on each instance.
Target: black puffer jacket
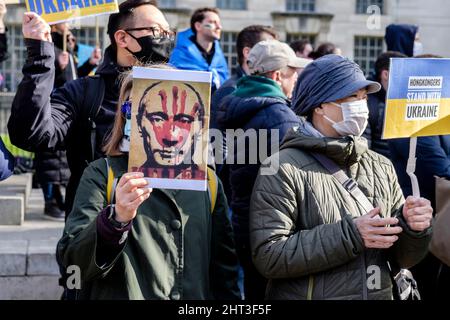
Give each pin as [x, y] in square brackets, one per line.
[52, 167]
[41, 120]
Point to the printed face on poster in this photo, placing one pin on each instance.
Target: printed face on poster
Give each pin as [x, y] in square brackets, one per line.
[57, 11]
[418, 98]
[169, 128]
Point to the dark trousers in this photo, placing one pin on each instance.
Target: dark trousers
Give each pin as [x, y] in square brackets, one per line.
[254, 283]
[433, 279]
[53, 192]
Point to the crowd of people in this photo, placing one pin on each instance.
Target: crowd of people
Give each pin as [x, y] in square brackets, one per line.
[301, 232]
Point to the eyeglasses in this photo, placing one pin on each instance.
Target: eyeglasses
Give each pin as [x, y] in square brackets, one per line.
[157, 32]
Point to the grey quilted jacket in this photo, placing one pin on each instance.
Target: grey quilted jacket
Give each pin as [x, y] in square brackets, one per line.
[302, 233]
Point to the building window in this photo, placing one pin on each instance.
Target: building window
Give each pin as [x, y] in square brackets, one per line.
[228, 44]
[301, 5]
[362, 5]
[86, 35]
[12, 67]
[291, 37]
[232, 4]
[167, 3]
[366, 52]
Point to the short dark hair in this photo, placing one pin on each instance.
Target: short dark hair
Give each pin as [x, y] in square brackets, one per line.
[251, 35]
[122, 18]
[199, 16]
[323, 50]
[384, 60]
[299, 45]
[429, 55]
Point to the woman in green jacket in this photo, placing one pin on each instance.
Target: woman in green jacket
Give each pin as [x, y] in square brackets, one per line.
[309, 236]
[151, 244]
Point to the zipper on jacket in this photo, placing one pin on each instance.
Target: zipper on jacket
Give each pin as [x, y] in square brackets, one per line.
[310, 288]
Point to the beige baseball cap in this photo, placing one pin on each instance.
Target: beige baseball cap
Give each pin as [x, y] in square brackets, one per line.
[272, 55]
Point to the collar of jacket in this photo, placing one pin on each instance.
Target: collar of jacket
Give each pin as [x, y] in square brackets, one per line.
[257, 86]
[109, 64]
[239, 72]
[344, 151]
[208, 56]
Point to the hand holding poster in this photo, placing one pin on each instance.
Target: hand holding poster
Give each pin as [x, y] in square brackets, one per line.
[169, 127]
[56, 11]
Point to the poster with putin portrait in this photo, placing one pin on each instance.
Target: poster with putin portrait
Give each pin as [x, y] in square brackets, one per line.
[169, 127]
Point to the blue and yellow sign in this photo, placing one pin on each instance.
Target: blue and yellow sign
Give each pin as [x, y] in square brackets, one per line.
[418, 98]
[56, 11]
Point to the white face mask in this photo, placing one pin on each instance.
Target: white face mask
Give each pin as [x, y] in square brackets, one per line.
[355, 116]
[418, 48]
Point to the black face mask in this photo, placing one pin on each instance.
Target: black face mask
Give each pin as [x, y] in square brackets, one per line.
[153, 50]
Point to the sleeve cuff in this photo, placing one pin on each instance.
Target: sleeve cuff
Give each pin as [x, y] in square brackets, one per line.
[407, 230]
[39, 48]
[108, 234]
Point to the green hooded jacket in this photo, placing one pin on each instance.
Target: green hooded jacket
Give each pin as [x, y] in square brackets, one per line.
[176, 248]
[299, 240]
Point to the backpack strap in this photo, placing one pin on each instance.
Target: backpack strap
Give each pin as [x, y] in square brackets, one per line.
[111, 183]
[349, 184]
[94, 91]
[212, 188]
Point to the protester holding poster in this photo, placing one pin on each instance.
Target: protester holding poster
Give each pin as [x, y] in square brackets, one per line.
[52, 170]
[66, 64]
[169, 132]
[325, 225]
[77, 116]
[147, 244]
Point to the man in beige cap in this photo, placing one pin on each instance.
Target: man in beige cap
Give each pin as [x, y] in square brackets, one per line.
[277, 61]
[260, 104]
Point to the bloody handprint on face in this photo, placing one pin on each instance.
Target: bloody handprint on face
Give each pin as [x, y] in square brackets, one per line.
[170, 120]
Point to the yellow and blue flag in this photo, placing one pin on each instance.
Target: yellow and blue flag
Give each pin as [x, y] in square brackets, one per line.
[418, 98]
[57, 11]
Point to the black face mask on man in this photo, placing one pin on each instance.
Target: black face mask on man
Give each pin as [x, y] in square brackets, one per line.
[155, 50]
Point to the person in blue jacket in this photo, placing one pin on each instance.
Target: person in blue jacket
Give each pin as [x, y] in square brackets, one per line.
[6, 162]
[198, 48]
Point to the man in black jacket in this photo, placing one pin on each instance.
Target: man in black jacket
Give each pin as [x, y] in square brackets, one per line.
[52, 169]
[68, 118]
[377, 104]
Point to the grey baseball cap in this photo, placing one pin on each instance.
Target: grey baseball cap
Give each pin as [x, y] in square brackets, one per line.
[272, 55]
